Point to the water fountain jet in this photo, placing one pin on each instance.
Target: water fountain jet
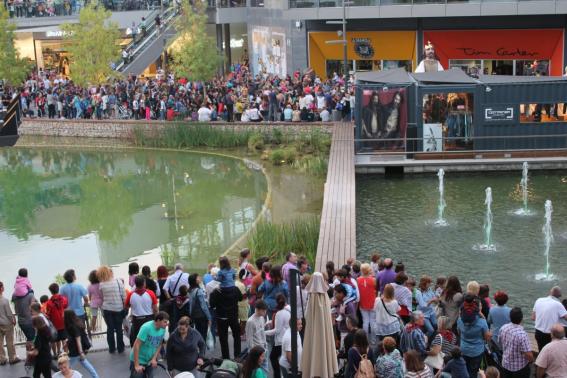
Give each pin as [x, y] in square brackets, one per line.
[487, 226]
[524, 187]
[441, 221]
[548, 239]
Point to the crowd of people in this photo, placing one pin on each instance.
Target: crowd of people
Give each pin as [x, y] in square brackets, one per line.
[238, 96]
[386, 323]
[50, 8]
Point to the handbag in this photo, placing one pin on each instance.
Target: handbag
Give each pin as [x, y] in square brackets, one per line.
[436, 361]
[124, 311]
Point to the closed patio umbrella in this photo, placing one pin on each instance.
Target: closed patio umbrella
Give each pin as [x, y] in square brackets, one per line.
[319, 358]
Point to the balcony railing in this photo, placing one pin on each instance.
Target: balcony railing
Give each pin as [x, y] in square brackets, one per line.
[362, 3]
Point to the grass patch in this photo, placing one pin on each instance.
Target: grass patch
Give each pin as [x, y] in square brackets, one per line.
[307, 151]
[275, 240]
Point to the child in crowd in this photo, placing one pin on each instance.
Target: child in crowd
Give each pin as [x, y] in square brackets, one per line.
[456, 366]
[133, 271]
[23, 286]
[375, 264]
[95, 298]
[43, 300]
[226, 274]
[55, 308]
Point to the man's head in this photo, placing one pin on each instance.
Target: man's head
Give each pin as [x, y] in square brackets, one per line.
[516, 315]
[302, 265]
[429, 50]
[140, 282]
[417, 318]
[35, 308]
[179, 266]
[557, 332]
[260, 308]
[54, 289]
[69, 275]
[388, 263]
[340, 293]
[555, 292]
[161, 319]
[291, 257]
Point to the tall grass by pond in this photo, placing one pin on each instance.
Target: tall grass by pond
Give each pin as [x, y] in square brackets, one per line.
[305, 150]
[276, 240]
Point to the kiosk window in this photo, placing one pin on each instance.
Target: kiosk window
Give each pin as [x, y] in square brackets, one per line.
[542, 113]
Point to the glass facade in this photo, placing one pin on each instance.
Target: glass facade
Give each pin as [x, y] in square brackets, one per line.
[338, 3]
[501, 67]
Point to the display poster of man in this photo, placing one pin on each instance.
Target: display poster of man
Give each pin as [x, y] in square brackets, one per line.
[268, 51]
[384, 119]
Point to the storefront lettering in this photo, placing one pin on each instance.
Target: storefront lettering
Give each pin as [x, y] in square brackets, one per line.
[363, 47]
[501, 51]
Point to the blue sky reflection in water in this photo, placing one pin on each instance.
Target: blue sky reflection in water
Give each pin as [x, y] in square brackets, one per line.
[395, 216]
[63, 209]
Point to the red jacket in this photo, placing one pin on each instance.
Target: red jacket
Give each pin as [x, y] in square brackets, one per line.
[55, 307]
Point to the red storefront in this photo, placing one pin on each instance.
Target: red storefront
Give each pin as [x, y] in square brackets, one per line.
[504, 52]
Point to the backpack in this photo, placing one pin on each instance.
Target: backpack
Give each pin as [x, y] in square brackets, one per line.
[365, 367]
[196, 311]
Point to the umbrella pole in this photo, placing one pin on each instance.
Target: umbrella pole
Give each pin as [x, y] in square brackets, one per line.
[293, 275]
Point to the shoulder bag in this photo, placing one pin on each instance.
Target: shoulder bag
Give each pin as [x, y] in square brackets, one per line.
[437, 361]
[393, 316]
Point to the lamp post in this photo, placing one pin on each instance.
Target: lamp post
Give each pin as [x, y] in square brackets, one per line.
[342, 41]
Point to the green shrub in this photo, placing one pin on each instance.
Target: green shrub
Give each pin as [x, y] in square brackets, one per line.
[277, 156]
[256, 142]
[275, 240]
[277, 136]
[313, 165]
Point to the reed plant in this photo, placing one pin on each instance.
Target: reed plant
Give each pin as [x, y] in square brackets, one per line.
[276, 240]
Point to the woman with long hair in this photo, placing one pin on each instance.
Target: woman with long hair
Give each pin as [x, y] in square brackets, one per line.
[415, 367]
[162, 275]
[271, 288]
[450, 301]
[150, 283]
[77, 341]
[133, 271]
[41, 352]
[113, 296]
[199, 310]
[359, 349]
[252, 365]
[387, 320]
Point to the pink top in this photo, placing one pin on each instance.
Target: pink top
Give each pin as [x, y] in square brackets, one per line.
[95, 296]
[22, 286]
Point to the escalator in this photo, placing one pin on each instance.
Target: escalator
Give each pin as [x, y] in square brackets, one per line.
[10, 119]
[148, 49]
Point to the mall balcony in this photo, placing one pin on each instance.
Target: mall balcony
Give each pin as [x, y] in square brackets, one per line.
[318, 9]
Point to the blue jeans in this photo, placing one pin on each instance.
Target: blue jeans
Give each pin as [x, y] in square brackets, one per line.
[113, 320]
[147, 373]
[85, 363]
[430, 326]
[28, 330]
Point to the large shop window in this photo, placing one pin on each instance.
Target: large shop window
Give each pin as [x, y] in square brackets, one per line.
[543, 113]
[337, 66]
[501, 67]
[447, 121]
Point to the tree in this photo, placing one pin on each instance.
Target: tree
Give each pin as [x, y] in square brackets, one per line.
[195, 55]
[13, 69]
[92, 45]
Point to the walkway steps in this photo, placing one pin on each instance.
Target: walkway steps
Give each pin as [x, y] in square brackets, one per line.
[337, 235]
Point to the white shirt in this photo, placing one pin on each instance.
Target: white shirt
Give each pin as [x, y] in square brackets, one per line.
[76, 374]
[170, 284]
[286, 347]
[204, 114]
[282, 323]
[548, 311]
[325, 116]
[421, 67]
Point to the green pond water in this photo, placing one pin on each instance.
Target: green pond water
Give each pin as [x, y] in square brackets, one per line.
[395, 216]
[64, 208]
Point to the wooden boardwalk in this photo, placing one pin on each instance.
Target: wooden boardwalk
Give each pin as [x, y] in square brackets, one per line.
[337, 235]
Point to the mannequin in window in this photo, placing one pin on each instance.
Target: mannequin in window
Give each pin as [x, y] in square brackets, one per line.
[429, 63]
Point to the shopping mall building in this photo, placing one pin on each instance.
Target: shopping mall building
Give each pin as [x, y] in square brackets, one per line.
[511, 37]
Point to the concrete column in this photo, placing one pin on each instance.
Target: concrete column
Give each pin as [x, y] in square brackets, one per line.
[227, 55]
[219, 43]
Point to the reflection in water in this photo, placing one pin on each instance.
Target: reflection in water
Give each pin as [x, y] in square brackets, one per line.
[115, 205]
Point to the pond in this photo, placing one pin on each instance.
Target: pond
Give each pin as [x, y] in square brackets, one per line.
[396, 216]
[65, 208]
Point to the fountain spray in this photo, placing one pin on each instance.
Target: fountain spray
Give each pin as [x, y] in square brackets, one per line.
[524, 186]
[548, 235]
[441, 206]
[488, 246]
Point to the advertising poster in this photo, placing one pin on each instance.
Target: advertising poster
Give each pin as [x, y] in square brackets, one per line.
[432, 137]
[268, 50]
[384, 118]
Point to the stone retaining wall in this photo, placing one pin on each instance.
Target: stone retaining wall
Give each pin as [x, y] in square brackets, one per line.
[123, 129]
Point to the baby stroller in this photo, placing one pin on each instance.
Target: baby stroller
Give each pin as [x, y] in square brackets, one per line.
[124, 112]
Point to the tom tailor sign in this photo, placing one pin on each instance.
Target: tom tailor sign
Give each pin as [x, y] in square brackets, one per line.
[499, 114]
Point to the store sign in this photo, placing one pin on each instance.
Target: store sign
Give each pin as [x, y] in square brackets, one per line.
[500, 51]
[363, 47]
[56, 34]
[499, 114]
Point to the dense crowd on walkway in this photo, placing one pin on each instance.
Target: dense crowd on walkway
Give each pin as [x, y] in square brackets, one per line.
[50, 8]
[385, 323]
[238, 96]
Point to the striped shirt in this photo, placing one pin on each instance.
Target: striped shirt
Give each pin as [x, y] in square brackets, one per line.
[515, 343]
[113, 295]
[402, 295]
